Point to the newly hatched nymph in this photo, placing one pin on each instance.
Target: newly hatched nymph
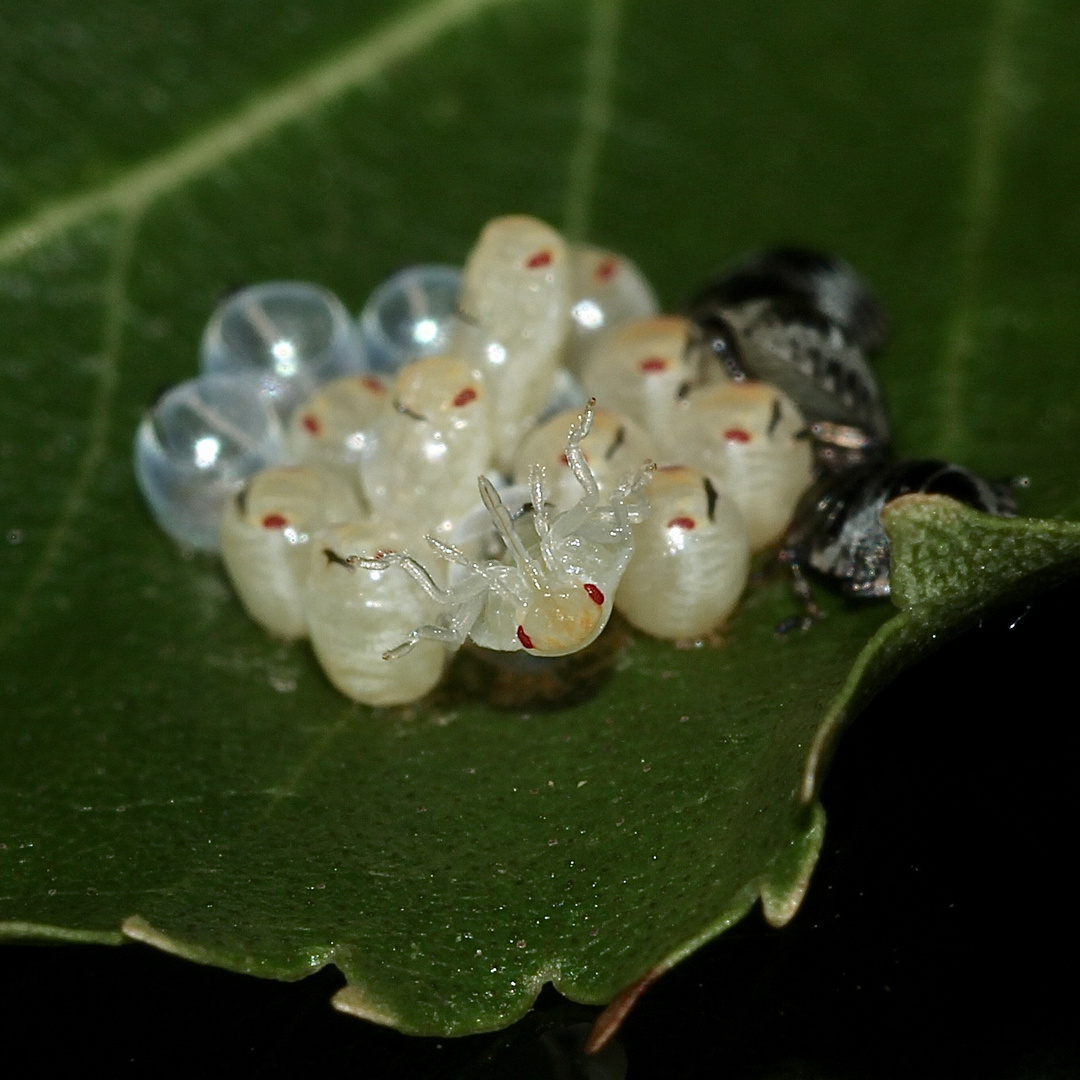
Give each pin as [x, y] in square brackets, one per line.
[613, 447]
[691, 558]
[554, 593]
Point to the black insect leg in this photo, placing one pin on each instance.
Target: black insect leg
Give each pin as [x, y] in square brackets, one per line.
[811, 613]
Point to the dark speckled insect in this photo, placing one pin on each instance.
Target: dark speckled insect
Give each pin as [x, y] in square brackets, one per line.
[837, 529]
[830, 285]
[802, 321]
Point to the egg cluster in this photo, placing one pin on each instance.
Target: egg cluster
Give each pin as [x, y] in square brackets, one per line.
[503, 453]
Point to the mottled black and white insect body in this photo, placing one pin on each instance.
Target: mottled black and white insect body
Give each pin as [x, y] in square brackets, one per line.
[642, 368]
[613, 447]
[837, 529]
[828, 283]
[691, 558]
[752, 441]
[358, 607]
[266, 536]
[554, 591]
[791, 345]
[607, 290]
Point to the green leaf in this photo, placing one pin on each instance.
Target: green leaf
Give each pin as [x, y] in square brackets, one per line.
[170, 774]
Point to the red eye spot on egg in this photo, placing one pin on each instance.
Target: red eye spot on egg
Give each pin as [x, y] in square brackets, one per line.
[606, 270]
[564, 460]
[374, 385]
[524, 638]
[311, 424]
[274, 521]
[737, 434]
[595, 595]
[463, 397]
[681, 523]
[539, 259]
[652, 363]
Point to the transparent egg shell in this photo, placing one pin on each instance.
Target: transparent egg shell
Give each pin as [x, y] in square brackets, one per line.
[514, 318]
[197, 449]
[293, 334]
[691, 558]
[266, 537]
[614, 447]
[753, 442]
[410, 315]
[354, 616]
[607, 290]
[641, 368]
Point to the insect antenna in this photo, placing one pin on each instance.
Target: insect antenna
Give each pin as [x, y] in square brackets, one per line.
[575, 457]
[541, 519]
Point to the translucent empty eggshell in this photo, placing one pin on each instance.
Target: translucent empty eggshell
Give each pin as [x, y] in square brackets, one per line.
[197, 449]
[431, 442]
[334, 426]
[354, 616]
[514, 317]
[691, 558]
[266, 537]
[754, 444]
[606, 290]
[293, 334]
[614, 447]
[641, 368]
[410, 315]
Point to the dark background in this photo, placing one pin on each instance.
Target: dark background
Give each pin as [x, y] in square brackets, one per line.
[937, 939]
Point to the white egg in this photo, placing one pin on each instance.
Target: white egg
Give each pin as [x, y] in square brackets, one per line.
[266, 536]
[334, 426]
[431, 441]
[754, 444]
[606, 290]
[642, 368]
[691, 558]
[514, 317]
[355, 614]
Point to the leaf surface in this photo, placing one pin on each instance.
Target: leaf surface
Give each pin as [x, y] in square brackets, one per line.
[167, 768]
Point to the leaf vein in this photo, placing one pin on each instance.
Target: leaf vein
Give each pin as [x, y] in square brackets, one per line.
[98, 423]
[601, 62]
[979, 212]
[135, 189]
